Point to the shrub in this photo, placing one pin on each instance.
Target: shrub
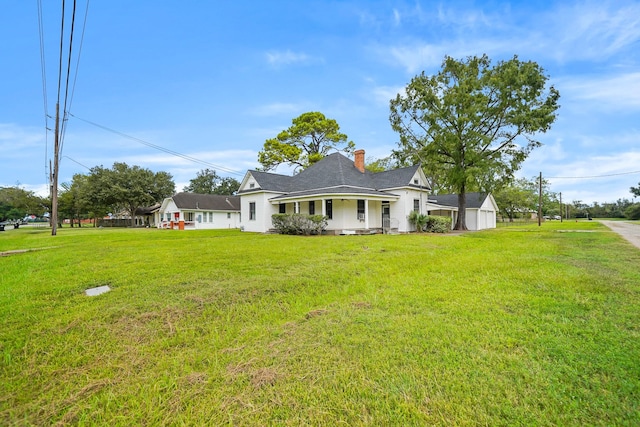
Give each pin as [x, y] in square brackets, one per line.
[438, 224]
[418, 220]
[299, 224]
[633, 211]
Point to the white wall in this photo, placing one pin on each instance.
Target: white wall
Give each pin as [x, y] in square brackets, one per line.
[221, 220]
[401, 209]
[264, 210]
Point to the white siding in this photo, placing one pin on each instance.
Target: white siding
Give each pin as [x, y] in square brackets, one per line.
[264, 209]
[220, 220]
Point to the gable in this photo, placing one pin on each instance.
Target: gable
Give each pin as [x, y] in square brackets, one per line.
[264, 181]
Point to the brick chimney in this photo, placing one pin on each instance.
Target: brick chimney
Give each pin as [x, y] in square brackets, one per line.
[359, 161]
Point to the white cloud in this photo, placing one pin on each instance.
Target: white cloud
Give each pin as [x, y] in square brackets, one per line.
[617, 92]
[14, 138]
[276, 109]
[593, 30]
[285, 58]
[580, 31]
[397, 19]
[383, 94]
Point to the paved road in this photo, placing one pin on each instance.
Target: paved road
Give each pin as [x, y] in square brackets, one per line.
[628, 230]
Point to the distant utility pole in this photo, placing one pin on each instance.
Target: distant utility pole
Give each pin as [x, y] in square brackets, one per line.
[540, 201]
[561, 206]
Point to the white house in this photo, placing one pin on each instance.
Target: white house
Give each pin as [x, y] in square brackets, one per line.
[481, 209]
[189, 211]
[355, 200]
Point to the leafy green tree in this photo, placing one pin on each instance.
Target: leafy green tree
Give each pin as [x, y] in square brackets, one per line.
[635, 190]
[72, 200]
[310, 138]
[633, 211]
[468, 121]
[207, 181]
[16, 203]
[128, 187]
[518, 198]
[380, 165]
[227, 186]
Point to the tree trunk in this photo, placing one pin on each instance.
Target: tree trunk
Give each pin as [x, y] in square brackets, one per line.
[461, 223]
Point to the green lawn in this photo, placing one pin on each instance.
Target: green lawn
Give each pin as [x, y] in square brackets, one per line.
[523, 325]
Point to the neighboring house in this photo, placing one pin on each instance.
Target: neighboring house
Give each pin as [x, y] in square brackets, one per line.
[147, 216]
[354, 200]
[199, 211]
[481, 210]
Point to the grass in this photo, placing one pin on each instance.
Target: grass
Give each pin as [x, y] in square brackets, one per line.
[523, 325]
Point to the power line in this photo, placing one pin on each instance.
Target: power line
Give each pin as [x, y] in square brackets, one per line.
[75, 76]
[68, 74]
[157, 147]
[44, 87]
[593, 176]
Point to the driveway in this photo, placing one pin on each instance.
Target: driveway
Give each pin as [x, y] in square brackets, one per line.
[628, 230]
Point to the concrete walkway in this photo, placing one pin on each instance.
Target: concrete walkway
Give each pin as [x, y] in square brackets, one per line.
[628, 230]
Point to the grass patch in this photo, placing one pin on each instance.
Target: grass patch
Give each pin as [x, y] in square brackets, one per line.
[520, 325]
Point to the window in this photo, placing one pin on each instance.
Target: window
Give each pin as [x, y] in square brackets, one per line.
[210, 216]
[252, 211]
[361, 209]
[282, 208]
[203, 219]
[252, 185]
[188, 216]
[228, 215]
[416, 205]
[329, 208]
[415, 181]
[312, 208]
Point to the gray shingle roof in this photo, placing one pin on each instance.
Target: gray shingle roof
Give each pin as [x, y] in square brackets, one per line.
[209, 202]
[272, 182]
[333, 172]
[474, 200]
[342, 189]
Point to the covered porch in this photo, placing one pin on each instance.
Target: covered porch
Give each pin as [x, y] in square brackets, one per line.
[346, 213]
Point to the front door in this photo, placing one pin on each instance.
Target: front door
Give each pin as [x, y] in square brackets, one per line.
[386, 217]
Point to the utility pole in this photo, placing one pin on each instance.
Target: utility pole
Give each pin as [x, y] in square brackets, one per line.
[54, 175]
[561, 206]
[540, 201]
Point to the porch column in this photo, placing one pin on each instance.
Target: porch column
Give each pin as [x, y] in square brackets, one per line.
[366, 214]
[324, 207]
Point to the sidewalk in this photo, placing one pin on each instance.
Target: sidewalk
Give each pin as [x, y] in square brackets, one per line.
[628, 230]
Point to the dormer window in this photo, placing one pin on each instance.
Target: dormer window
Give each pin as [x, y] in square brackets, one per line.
[252, 185]
[415, 181]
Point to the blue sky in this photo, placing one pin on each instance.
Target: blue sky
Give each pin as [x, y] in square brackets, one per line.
[212, 80]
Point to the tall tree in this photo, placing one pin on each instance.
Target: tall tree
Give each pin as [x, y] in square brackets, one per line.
[129, 187]
[310, 138]
[228, 186]
[16, 202]
[635, 190]
[207, 181]
[380, 165]
[519, 197]
[467, 121]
